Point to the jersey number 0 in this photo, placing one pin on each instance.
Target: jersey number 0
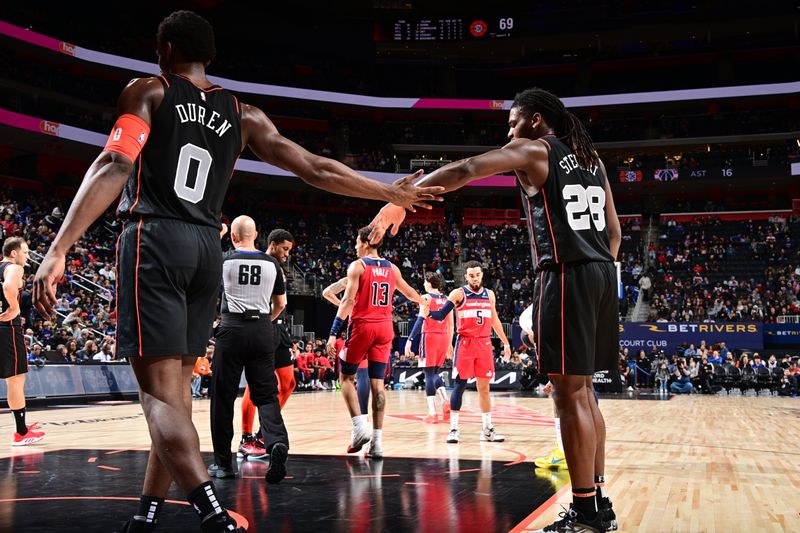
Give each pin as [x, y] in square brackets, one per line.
[195, 192]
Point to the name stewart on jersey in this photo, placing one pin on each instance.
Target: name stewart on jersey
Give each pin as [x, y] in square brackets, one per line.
[570, 162]
[566, 217]
[190, 112]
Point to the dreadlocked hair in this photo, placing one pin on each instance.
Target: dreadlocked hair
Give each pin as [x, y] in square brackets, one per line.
[567, 127]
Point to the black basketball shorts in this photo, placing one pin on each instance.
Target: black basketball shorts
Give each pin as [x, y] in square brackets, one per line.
[13, 355]
[168, 280]
[576, 318]
[283, 344]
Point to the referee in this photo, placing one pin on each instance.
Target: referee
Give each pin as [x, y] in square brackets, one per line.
[254, 294]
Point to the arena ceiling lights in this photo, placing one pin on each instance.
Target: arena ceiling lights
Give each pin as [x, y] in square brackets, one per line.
[135, 65]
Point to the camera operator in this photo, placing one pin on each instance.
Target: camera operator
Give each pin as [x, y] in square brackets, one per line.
[683, 379]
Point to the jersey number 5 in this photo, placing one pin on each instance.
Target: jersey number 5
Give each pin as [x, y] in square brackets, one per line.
[195, 192]
[380, 294]
[579, 200]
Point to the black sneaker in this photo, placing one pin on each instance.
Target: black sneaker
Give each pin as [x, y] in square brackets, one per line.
[277, 463]
[137, 526]
[217, 471]
[220, 523]
[571, 521]
[607, 515]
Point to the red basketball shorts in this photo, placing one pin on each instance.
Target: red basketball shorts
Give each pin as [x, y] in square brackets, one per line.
[433, 348]
[368, 340]
[474, 357]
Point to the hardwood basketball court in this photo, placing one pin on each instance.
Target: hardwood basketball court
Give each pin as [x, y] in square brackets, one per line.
[690, 464]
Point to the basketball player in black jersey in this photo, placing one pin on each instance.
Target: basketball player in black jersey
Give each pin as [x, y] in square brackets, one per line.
[575, 236]
[171, 154]
[281, 243]
[13, 352]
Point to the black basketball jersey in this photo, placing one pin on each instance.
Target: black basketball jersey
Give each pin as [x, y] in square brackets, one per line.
[184, 169]
[249, 280]
[567, 217]
[4, 303]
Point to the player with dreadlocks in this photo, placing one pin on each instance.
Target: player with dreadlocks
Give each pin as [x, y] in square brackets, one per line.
[575, 236]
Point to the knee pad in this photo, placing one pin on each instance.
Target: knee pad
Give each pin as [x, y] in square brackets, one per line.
[430, 381]
[376, 370]
[458, 393]
[348, 369]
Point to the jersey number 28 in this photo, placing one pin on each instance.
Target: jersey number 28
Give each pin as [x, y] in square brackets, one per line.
[579, 201]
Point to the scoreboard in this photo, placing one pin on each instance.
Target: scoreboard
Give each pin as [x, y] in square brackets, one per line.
[439, 29]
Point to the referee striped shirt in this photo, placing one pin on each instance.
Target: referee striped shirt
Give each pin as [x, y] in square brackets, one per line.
[250, 279]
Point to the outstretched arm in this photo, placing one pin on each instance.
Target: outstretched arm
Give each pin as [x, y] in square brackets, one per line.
[261, 135]
[454, 299]
[518, 154]
[404, 288]
[331, 291]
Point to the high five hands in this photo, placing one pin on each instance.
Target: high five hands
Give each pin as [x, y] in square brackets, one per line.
[405, 195]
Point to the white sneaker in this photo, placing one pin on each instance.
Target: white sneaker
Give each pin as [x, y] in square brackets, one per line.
[359, 437]
[452, 437]
[375, 450]
[490, 435]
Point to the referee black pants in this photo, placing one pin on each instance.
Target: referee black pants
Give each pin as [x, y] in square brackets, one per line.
[247, 345]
